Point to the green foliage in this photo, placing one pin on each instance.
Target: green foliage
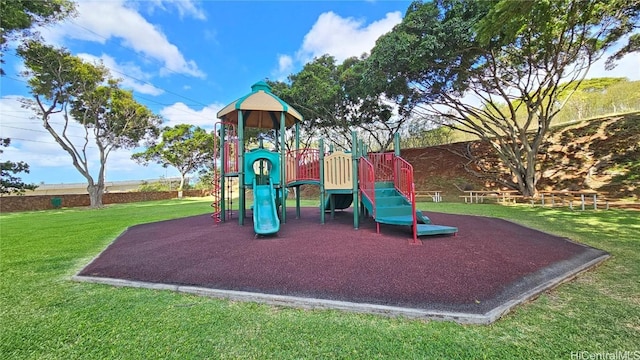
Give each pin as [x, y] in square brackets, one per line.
[422, 134]
[44, 315]
[598, 97]
[188, 148]
[205, 180]
[111, 118]
[162, 185]
[118, 120]
[592, 99]
[515, 58]
[56, 76]
[596, 85]
[11, 184]
[334, 101]
[626, 15]
[316, 93]
[20, 16]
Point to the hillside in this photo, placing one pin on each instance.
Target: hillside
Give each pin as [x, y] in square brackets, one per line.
[601, 154]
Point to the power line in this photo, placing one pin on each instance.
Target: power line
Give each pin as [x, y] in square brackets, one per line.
[38, 131]
[144, 57]
[14, 116]
[14, 79]
[43, 142]
[141, 97]
[25, 118]
[5, 112]
[157, 87]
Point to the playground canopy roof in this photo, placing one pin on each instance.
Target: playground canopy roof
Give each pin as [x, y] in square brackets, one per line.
[260, 109]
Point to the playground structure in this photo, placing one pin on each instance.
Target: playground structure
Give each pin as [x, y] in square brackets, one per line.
[378, 184]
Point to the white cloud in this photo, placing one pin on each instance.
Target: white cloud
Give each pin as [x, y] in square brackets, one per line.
[188, 8]
[337, 36]
[211, 35]
[628, 66]
[30, 142]
[180, 113]
[344, 37]
[99, 21]
[120, 162]
[184, 7]
[132, 75]
[285, 67]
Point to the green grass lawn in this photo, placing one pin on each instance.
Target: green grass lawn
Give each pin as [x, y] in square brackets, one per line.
[44, 315]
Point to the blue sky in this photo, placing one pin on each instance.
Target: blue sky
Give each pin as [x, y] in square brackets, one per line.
[185, 60]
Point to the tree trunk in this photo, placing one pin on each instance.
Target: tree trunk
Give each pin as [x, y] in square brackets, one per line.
[95, 194]
[529, 186]
[96, 190]
[181, 187]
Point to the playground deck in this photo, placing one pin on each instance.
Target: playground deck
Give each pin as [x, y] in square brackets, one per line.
[475, 277]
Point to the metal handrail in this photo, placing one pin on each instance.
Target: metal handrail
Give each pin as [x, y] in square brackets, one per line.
[303, 164]
[403, 177]
[367, 178]
[403, 182]
[383, 165]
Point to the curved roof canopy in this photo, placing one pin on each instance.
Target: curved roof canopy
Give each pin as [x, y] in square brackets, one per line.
[260, 109]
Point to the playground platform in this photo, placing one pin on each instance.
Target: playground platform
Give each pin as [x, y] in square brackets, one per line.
[477, 276]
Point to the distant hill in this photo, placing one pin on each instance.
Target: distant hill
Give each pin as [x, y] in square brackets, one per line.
[594, 98]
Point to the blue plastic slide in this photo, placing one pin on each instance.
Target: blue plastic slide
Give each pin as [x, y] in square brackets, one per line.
[265, 213]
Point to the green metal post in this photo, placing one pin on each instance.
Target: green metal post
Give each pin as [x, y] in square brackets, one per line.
[322, 195]
[241, 187]
[297, 135]
[362, 152]
[396, 144]
[223, 160]
[356, 195]
[297, 129]
[283, 165]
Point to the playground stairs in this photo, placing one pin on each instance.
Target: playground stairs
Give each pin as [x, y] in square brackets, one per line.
[394, 209]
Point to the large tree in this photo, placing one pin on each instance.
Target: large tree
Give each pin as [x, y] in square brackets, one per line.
[19, 17]
[335, 102]
[627, 23]
[75, 92]
[368, 111]
[495, 68]
[188, 148]
[315, 92]
[9, 182]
